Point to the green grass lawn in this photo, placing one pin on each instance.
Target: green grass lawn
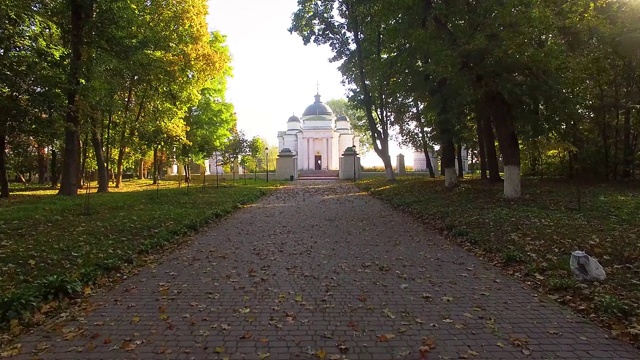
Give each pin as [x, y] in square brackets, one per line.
[532, 238]
[52, 248]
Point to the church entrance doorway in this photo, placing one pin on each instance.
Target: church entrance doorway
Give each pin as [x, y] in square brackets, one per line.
[318, 162]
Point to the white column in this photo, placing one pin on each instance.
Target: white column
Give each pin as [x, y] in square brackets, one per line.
[308, 153]
[301, 152]
[323, 152]
[329, 155]
[329, 152]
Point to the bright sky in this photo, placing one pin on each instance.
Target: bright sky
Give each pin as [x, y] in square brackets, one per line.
[275, 75]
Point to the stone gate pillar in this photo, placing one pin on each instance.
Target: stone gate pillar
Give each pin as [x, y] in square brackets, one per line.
[286, 165]
[400, 167]
[349, 164]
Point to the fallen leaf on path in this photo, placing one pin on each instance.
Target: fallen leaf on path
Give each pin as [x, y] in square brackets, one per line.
[386, 337]
[11, 351]
[388, 313]
[14, 327]
[128, 346]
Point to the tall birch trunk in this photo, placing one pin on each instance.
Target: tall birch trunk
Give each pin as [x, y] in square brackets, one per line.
[448, 161]
[508, 142]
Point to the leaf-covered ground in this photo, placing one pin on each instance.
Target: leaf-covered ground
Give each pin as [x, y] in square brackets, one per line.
[52, 247]
[532, 238]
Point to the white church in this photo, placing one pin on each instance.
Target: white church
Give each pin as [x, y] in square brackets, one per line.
[318, 138]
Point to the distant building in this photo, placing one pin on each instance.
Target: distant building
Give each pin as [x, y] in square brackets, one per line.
[318, 138]
[420, 161]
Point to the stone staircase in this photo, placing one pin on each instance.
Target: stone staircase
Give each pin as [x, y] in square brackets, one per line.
[318, 175]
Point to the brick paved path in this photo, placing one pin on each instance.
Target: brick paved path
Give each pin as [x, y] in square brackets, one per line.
[314, 269]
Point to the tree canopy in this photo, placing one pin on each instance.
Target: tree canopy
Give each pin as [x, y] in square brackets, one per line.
[121, 78]
[528, 86]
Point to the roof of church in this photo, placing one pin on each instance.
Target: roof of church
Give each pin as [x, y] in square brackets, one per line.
[294, 119]
[317, 108]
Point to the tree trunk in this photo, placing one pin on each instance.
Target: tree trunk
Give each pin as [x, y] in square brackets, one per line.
[103, 176]
[379, 136]
[432, 173]
[155, 165]
[54, 168]
[423, 139]
[508, 142]
[141, 169]
[388, 168]
[605, 145]
[490, 147]
[425, 149]
[123, 135]
[459, 158]
[480, 115]
[4, 180]
[21, 178]
[616, 138]
[70, 161]
[108, 146]
[80, 11]
[448, 160]
[187, 173]
[42, 164]
[627, 149]
[83, 167]
[120, 161]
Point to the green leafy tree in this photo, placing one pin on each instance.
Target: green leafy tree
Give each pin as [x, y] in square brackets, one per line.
[235, 148]
[29, 54]
[255, 148]
[357, 119]
[352, 30]
[209, 122]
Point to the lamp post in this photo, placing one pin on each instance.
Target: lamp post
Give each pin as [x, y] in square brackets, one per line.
[355, 156]
[266, 152]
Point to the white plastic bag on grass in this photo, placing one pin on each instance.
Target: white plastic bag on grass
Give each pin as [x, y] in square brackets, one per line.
[584, 267]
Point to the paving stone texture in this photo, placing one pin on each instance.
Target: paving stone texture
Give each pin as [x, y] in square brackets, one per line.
[317, 270]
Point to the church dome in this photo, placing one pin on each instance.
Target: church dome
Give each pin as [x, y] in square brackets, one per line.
[317, 108]
[294, 119]
[342, 123]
